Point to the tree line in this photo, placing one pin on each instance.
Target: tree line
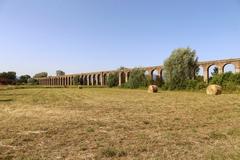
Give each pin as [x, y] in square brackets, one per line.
[10, 78]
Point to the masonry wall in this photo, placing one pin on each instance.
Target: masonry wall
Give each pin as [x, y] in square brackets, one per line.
[100, 78]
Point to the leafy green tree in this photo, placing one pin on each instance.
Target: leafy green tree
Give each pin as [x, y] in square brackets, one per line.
[60, 73]
[182, 65]
[137, 79]
[32, 81]
[8, 77]
[23, 79]
[112, 80]
[40, 75]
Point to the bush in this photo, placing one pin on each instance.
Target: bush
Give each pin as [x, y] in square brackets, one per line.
[112, 80]
[32, 81]
[228, 81]
[201, 85]
[191, 84]
[137, 79]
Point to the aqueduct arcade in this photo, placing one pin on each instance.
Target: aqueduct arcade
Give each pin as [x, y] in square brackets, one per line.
[100, 78]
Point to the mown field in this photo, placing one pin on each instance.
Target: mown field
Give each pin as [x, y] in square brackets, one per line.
[103, 123]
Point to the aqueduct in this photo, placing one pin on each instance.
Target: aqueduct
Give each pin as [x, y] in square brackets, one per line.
[100, 78]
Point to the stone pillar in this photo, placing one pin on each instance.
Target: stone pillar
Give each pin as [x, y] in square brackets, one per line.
[119, 79]
[101, 79]
[126, 77]
[220, 68]
[92, 80]
[96, 78]
[205, 74]
[66, 80]
[71, 80]
[237, 68]
[87, 80]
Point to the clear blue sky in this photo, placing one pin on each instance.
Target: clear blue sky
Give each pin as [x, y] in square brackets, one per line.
[91, 35]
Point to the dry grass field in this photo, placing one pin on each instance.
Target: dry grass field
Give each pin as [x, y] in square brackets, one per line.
[124, 124]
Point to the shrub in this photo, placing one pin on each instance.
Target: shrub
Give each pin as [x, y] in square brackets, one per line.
[228, 81]
[112, 80]
[137, 79]
[191, 84]
[32, 81]
[201, 85]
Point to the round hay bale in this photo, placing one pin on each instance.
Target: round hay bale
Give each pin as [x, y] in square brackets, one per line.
[152, 89]
[214, 90]
[80, 87]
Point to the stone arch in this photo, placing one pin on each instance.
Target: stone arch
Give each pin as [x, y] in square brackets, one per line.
[200, 73]
[80, 79]
[84, 79]
[69, 81]
[122, 78]
[210, 71]
[89, 79]
[94, 79]
[99, 79]
[155, 74]
[104, 78]
[229, 67]
[65, 81]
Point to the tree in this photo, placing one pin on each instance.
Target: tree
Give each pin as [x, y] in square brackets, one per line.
[181, 66]
[32, 81]
[8, 77]
[60, 73]
[137, 79]
[112, 80]
[40, 75]
[23, 79]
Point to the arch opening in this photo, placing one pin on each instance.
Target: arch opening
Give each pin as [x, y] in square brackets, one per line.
[212, 70]
[94, 79]
[89, 79]
[155, 75]
[123, 78]
[99, 79]
[105, 79]
[229, 68]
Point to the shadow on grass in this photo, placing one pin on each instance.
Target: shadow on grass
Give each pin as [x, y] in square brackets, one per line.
[6, 100]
